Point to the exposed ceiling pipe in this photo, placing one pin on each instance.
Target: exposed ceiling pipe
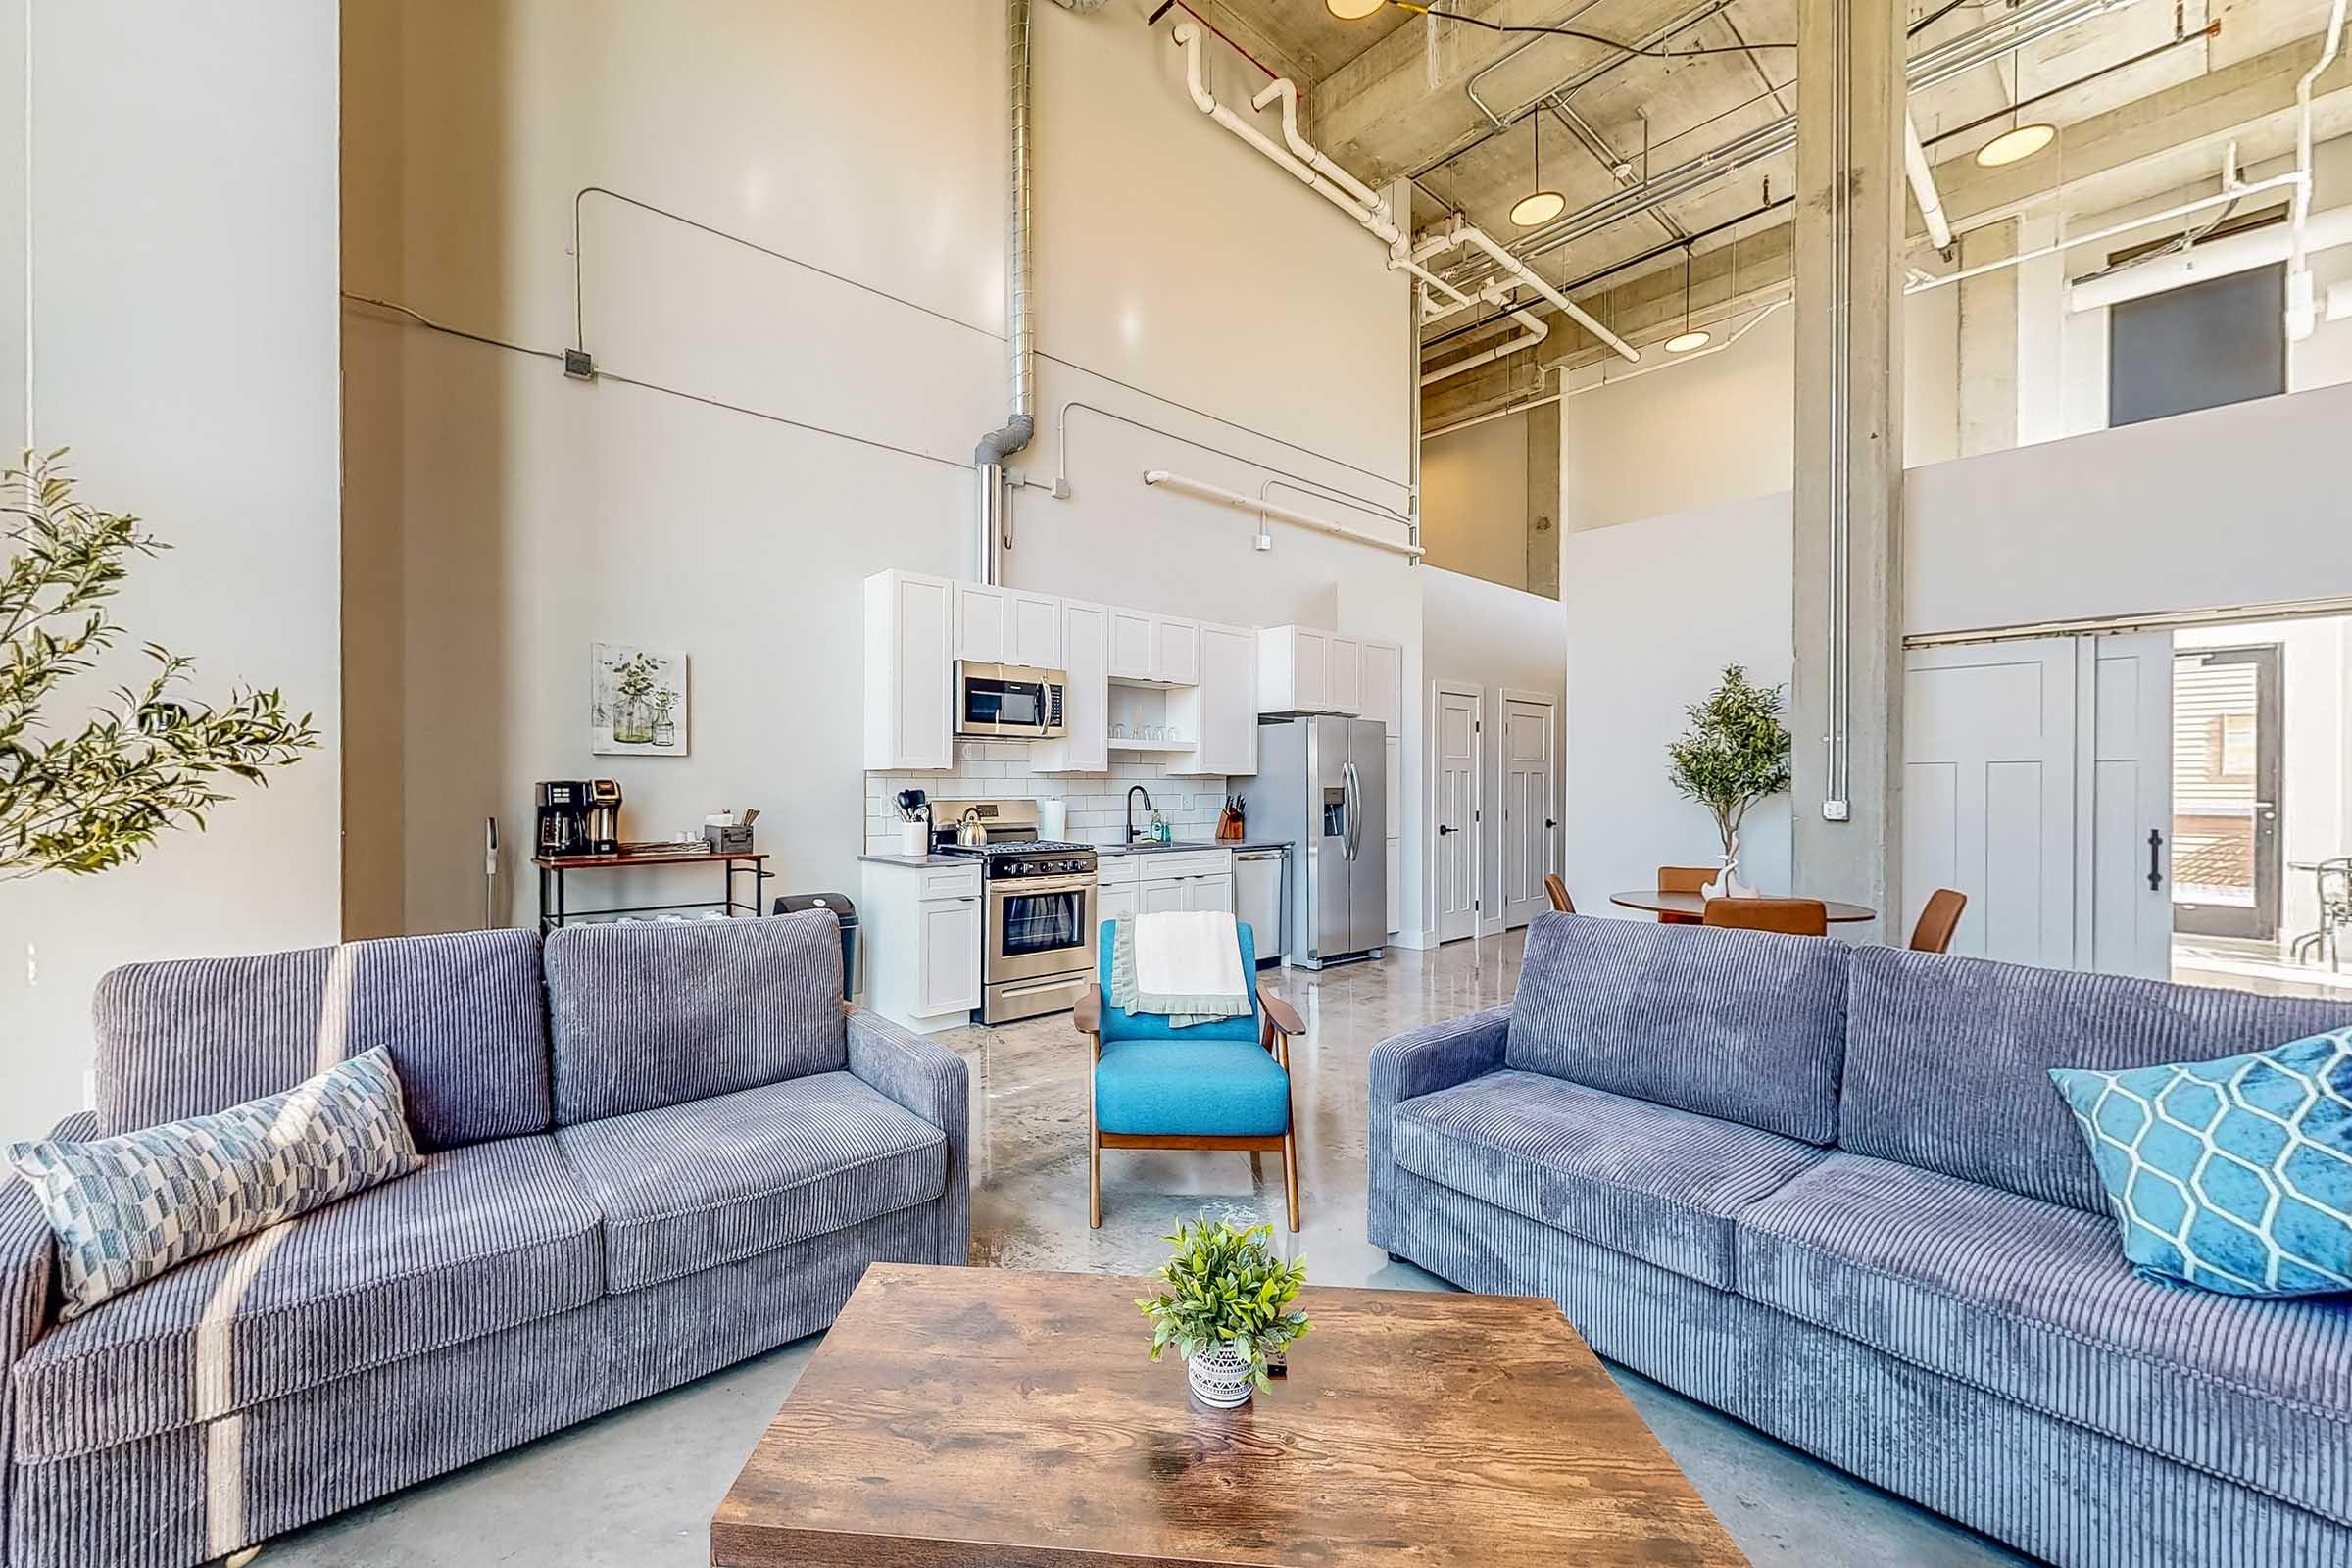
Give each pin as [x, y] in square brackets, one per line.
[1370, 214]
[1268, 508]
[2301, 313]
[1480, 240]
[1923, 186]
[1532, 332]
[2230, 193]
[2213, 257]
[1020, 343]
[1284, 90]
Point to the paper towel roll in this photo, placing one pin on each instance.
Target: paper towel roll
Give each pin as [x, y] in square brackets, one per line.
[1053, 819]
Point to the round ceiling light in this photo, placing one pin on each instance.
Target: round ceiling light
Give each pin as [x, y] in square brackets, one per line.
[2017, 143]
[1538, 207]
[1684, 342]
[1353, 9]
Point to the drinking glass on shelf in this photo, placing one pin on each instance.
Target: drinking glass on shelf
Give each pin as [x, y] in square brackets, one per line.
[1118, 732]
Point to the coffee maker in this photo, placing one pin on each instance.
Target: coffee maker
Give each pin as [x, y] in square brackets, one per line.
[562, 816]
[603, 817]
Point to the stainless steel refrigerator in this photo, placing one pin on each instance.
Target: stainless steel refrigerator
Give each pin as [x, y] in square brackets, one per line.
[1322, 784]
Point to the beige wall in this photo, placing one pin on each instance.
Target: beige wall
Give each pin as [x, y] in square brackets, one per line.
[1474, 517]
[181, 192]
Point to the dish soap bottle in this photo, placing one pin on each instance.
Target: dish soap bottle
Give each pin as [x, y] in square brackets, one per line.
[1159, 829]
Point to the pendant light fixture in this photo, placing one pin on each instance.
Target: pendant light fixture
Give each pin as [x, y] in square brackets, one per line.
[1689, 338]
[1353, 9]
[1537, 206]
[2018, 142]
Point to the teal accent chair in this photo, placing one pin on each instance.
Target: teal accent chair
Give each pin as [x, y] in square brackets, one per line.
[1222, 1085]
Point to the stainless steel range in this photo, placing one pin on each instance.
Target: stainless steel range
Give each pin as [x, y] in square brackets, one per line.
[1037, 949]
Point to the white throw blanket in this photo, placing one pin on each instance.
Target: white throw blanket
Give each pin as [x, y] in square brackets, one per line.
[1188, 966]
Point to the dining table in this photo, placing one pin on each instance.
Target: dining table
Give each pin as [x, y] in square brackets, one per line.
[1659, 902]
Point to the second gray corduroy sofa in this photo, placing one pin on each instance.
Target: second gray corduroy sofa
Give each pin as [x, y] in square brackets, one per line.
[1833, 1192]
[651, 1152]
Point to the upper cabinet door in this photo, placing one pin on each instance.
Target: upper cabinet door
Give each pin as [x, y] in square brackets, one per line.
[1131, 643]
[1293, 670]
[909, 672]
[1175, 651]
[1228, 704]
[1036, 622]
[1347, 676]
[1085, 746]
[1384, 684]
[984, 623]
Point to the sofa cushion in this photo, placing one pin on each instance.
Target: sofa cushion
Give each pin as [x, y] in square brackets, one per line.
[649, 1014]
[464, 1016]
[1649, 1181]
[686, 1187]
[1208, 1088]
[479, 1240]
[1743, 1025]
[1948, 1060]
[2034, 1301]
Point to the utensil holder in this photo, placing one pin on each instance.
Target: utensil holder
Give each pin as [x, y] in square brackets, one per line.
[914, 838]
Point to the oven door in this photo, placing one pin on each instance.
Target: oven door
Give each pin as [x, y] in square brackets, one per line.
[1039, 926]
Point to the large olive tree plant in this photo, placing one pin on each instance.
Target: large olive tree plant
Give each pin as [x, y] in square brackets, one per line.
[1734, 753]
[95, 797]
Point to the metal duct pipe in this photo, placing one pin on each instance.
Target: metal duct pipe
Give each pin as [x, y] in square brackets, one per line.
[1923, 186]
[1020, 343]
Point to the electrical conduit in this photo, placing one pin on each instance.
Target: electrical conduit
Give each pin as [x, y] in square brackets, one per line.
[2302, 316]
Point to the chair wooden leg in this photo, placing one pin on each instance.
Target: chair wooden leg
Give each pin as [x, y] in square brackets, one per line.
[1094, 1183]
[1290, 1175]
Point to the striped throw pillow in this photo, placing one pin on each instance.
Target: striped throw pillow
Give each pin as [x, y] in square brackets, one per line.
[128, 1207]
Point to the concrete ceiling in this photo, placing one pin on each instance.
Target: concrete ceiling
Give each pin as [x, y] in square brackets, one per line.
[1469, 141]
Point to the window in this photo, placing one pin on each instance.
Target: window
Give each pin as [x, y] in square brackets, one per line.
[2220, 341]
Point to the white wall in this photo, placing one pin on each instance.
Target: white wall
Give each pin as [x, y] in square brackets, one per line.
[181, 259]
[1181, 281]
[1654, 613]
[1474, 500]
[1495, 638]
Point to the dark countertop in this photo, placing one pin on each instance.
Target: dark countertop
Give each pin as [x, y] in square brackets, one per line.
[1181, 845]
[924, 860]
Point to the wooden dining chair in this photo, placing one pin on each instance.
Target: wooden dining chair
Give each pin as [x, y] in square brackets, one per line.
[1557, 891]
[1684, 879]
[1939, 920]
[1801, 917]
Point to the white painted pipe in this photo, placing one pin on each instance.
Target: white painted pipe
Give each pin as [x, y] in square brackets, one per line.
[1266, 508]
[1535, 332]
[2220, 198]
[1923, 186]
[1283, 89]
[1480, 239]
[2301, 316]
[2214, 258]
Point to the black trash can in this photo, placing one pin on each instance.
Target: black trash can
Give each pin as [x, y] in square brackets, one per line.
[843, 912]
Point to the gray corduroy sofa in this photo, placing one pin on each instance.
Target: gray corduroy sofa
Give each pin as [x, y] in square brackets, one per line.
[1832, 1192]
[651, 1152]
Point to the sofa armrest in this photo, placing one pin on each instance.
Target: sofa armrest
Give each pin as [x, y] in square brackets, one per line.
[27, 1285]
[933, 1081]
[1437, 1056]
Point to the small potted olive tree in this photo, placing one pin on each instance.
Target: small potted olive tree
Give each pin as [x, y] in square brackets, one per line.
[96, 798]
[1734, 753]
[1226, 1307]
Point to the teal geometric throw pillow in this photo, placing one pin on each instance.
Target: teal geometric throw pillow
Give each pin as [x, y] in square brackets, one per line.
[128, 1207]
[2234, 1175]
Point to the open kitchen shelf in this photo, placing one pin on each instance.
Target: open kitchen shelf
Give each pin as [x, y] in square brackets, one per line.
[1117, 744]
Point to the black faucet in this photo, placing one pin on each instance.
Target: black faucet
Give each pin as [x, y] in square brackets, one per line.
[1133, 790]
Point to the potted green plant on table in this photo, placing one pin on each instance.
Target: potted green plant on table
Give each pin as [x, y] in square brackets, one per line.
[96, 798]
[1226, 1305]
[1734, 753]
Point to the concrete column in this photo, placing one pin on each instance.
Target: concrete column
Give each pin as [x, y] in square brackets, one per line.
[1543, 501]
[1846, 710]
[1987, 356]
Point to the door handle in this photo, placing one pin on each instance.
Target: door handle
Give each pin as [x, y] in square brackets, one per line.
[1548, 822]
[1443, 830]
[2155, 861]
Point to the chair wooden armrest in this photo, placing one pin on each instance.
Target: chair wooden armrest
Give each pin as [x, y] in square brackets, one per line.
[1280, 1013]
[1086, 1015]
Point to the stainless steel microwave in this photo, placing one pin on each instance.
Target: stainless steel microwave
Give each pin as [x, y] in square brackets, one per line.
[1008, 702]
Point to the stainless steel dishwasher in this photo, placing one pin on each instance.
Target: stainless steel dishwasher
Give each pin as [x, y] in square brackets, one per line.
[1258, 901]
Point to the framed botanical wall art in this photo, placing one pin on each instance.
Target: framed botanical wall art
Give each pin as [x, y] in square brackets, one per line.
[637, 701]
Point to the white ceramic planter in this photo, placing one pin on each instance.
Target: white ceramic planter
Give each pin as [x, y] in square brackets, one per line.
[1220, 1378]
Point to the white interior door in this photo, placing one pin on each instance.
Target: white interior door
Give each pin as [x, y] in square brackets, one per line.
[1990, 766]
[1528, 816]
[1455, 853]
[2123, 921]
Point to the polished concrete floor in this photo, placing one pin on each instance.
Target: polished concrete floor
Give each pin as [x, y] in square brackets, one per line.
[636, 1489]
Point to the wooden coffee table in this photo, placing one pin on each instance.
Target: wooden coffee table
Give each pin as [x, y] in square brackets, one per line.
[983, 1418]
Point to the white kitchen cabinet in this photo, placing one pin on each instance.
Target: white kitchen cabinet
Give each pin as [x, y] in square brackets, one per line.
[1175, 651]
[1209, 893]
[1383, 682]
[1114, 898]
[1293, 670]
[1001, 625]
[1085, 746]
[1220, 714]
[1131, 644]
[1161, 895]
[909, 672]
[1347, 676]
[948, 955]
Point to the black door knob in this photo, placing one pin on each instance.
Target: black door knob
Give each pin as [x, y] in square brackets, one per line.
[1443, 830]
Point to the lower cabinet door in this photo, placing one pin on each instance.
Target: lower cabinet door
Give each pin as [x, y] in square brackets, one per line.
[947, 955]
[1209, 893]
[1112, 899]
[1165, 895]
